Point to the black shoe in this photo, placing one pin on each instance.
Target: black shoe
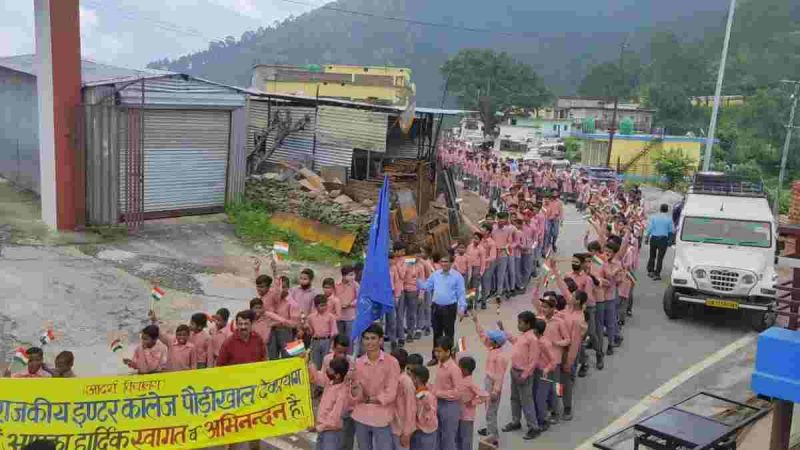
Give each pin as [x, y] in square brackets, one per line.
[418, 335]
[427, 332]
[629, 313]
[532, 433]
[610, 350]
[600, 363]
[567, 415]
[483, 305]
[512, 427]
[483, 432]
[651, 274]
[657, 277]
[583, 371]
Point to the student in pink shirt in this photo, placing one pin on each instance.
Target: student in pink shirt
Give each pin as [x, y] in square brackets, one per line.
[488, 284]
[496, 368]
[524, 356]
[502, 235]
[201, 340]
[341, 349]
[460, 261]
[220, 332]
[408, 272]
[471, 397]
[425, 298]
[573, 316]
[322, 328]
[35, 367]
[304, 294]
[515, 262]
[374, 391]
[475, 263]
[557, 340]
[545, 377]
[347, 292]
[181, 354]
[334, 304]
[150, 356]
[261, 326]
[427, 423]
[333, 402]
[447, 389]
[404, 420]
[285, 315]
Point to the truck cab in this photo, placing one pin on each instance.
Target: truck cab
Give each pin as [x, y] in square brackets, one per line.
[725, 246]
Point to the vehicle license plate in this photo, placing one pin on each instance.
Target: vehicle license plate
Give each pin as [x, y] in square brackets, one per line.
[719, 303]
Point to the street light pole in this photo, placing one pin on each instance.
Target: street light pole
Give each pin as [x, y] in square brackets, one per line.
[613, 128]
[786, 143]
[712, 128]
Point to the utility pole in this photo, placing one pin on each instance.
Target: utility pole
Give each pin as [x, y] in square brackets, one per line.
[786, 144]
[612, 129]
[712, 128]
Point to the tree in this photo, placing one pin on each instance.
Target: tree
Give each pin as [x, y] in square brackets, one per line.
[606, 80]
[673, 165]
[496, 80]
[281, 125]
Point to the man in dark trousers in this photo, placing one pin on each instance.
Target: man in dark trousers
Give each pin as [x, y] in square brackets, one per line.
[449, 299]
[659, 236]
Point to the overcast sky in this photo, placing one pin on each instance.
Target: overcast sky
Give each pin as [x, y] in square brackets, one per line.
[131, 33]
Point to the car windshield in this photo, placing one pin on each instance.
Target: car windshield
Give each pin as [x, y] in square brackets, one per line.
[727, 232]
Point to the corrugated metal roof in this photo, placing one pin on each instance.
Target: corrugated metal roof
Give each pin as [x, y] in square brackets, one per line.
[181, 90]
[92, 73]
[352, 128]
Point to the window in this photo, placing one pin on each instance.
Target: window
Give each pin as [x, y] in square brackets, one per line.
[726, 232]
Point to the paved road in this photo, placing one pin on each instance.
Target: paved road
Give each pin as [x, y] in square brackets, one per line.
[654, 351]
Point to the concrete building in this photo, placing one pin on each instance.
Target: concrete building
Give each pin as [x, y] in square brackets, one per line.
[369, 84]
[634, 155]
[601, 110]
[177, 141]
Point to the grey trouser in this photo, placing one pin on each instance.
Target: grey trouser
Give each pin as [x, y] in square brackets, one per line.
[424, 311]
[522, 399]
[373, 438]
[514, 276]
[319, 348]
[409, 301]
[448, 412]
[545, 395]
[345, 328]
[502, 275]
[474, 279]
[390, 319]
[594, 336]
[329, 440]
[423, 441]
[526, 267]
[464, 437]
[276, 348]
[488, 280]
[607, 316]
[348, 432]
[396, 443]
[491, 409]
[568, 380]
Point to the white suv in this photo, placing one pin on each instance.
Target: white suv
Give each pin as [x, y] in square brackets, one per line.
[725, 251]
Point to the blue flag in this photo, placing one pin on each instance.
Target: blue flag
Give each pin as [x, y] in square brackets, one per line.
[375, 297]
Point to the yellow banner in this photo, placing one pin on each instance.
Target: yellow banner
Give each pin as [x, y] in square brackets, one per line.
[178, 410]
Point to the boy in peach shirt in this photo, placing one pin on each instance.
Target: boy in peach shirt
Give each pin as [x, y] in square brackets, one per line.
[427, 423]
[181, 354]
[333, 403]
[201, 340]
[35, 367]
[347, 292]
[334, 304]
[404, 420]
[322, 328]
[447, 389]
[471, 397]
[496, 368]
[524, 356]
[221, 332]
[488, 284]
[475, 263]
[150, 356]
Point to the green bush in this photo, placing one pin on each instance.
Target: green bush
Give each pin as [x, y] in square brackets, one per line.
[673, 166]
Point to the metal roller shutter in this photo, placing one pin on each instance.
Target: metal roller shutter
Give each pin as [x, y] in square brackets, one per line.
[185, 159]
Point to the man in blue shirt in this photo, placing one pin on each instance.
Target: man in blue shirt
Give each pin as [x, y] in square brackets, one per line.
[449, 299]
[659, 235]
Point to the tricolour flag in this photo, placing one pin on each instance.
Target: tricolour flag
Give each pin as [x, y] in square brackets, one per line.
[411, 261]
[462, 344]
[295, 348]
[116, 345]
[559, 389]
[47, 337]
[597, 261]
[632, 276]
[281, 248]
[157, 293]
[471, 294]
[21, 356]
[546, 269]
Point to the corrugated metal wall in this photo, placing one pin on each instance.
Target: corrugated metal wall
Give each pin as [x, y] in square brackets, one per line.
[237, 160]
[178, 91]
[185, 159]
[399, 145]
[101, 143]
[19, 129]
[352, 128]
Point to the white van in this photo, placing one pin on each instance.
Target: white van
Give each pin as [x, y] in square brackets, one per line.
[725, 251]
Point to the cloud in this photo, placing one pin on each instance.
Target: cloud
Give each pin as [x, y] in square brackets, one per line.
[89, 19]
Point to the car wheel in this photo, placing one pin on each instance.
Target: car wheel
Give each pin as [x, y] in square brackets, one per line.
[672, 307]
[760, 321]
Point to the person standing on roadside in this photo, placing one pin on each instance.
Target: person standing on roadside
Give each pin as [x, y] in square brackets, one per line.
[658, 235]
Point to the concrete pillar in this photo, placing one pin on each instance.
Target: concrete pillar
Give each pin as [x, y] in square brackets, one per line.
[58, 80]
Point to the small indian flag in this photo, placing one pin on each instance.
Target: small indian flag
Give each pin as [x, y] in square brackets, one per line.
[632, 276]
[546, 269]
[116, 345]
[462, 345]
[21, 356]
[47, 337]
[281, 248]
[157, 293]
[411, 261]
[597, 261]
[295, 348]
[471, 294]
[559, 389]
